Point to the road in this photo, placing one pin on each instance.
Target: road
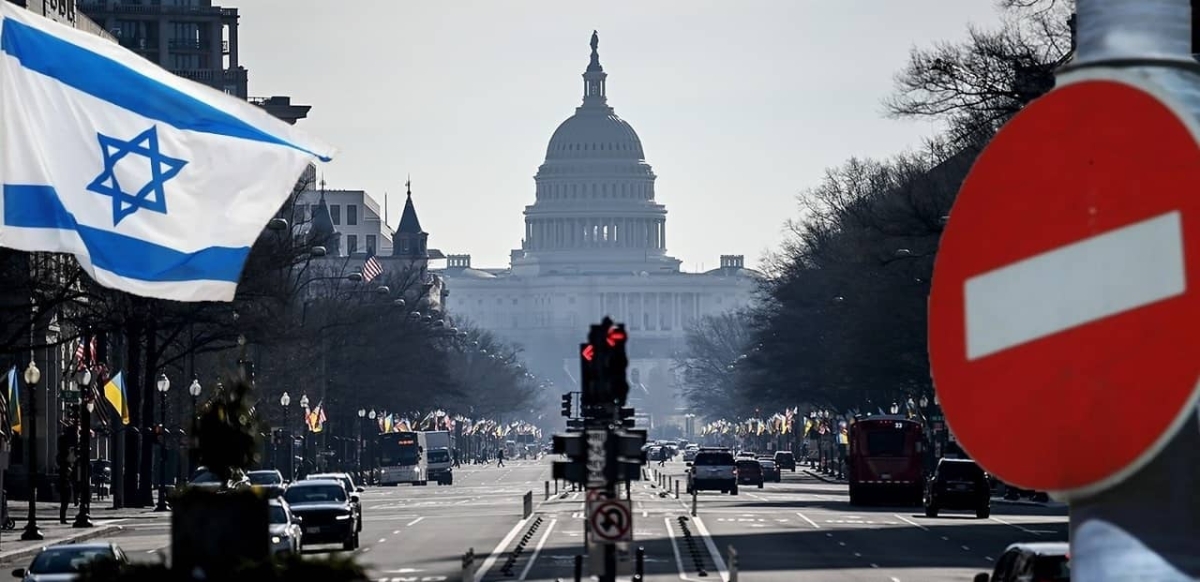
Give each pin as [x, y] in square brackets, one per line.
[802, 529]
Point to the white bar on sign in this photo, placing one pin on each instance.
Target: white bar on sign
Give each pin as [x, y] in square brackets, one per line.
[1104, 275]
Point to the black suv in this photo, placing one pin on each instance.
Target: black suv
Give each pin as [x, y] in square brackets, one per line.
[958, 484]
[785, 460]
[326, 512]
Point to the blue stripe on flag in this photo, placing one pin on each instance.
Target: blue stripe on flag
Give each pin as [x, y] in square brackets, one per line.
[122, 86]
[39, 207]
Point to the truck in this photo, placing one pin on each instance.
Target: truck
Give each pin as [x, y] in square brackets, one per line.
[438, 462]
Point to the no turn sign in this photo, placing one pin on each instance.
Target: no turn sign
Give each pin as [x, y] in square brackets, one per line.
[1065, 303]
[611, 521]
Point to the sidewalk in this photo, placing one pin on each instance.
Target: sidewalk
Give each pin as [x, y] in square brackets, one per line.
[107, 522]
[995, 499]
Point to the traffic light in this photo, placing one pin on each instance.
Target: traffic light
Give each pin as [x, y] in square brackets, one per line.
[566, 405]
[575, 468]
[625, 416]
[587, 373]
[629, 454]
[617, 363]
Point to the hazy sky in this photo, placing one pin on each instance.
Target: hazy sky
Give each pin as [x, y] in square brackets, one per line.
[739, 104]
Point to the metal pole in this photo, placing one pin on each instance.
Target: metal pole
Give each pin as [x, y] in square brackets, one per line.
[83, 518]
[32, 533]
[640, 572]
[578, 568]
[162, 454]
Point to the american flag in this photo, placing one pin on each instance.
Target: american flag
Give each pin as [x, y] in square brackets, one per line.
[85, 352]
[371, 268]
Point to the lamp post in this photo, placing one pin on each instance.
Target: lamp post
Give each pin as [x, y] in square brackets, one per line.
[369, 447]
[84, 518]
[32, 376]
[304, 407]
[284, 401]
[194, 390]
[163, 385]
[362, 415]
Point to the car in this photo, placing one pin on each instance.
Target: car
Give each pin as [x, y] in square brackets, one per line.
[64, 562]
[205, 479]
[749, 472]
[770, 472]
[326, 512]
[713, 469]
[689, 454]
[285, 529]
[785, 460]
[958, 484]
[269, 481]
[354, 490]
[1042, 561]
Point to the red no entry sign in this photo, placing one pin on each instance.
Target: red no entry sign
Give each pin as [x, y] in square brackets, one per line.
[1064, 312]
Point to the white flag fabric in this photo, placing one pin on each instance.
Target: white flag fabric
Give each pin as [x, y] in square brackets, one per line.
[158, 185]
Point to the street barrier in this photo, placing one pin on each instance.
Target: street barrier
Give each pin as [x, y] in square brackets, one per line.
[547, 496]
[733, 564]
[693, 502]
[528, 505]
[677, 489]
[640, 565]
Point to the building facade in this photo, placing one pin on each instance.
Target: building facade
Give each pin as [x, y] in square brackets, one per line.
[190, 38]
[65, 12]
[595, 245]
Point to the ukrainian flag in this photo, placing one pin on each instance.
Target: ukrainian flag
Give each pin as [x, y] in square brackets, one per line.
[14, 402]
[114, 392]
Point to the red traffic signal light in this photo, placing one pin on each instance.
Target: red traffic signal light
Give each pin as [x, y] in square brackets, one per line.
[589, 352]
[616, 335]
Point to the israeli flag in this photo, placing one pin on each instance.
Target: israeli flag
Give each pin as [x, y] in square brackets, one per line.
[158, 185]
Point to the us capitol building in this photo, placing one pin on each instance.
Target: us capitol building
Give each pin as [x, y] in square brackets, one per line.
[595, 245]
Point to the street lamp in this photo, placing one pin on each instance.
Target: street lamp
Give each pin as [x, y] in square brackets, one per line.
[284, 401]
[194, 390]
[163, 385]
[304, 406]
[84, 518]
[32, 376]
[362, 415]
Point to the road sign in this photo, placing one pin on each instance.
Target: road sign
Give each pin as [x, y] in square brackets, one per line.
[611, 521]
[1064, 307]
[597, 494]
[597, 457]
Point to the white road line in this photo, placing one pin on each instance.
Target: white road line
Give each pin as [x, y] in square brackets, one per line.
[810, 522]
[414, 522]
[894, 579]
[988, 558]
[966, 548]
[1009, 524]
[857, 555]
[1133, 266]
[843, 544]
[381, 540]
[537, 550]
[758, 497]
[495, 555]
[909, 521]
[873, 565]
[397, 532]
[718, 561]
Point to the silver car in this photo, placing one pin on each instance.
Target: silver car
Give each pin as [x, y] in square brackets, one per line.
[285, 528]
[63, 563]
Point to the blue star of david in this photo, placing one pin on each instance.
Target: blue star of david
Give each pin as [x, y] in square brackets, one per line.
[162, 168]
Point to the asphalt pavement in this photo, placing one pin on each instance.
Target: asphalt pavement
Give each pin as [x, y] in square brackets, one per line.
[802, 529]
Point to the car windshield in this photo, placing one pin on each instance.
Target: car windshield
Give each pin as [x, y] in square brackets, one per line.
[206, 477]
[766, 463]
[968, 471]
[300, 494]
[67, 559]
[783, 456]
[751, 466]
[439, 457]
[1052, 568]
[711, 459]
[885, 443]
[265, 478]
[277, 514]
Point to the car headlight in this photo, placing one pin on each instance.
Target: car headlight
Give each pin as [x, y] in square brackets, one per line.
[344, 516]
[276, 539]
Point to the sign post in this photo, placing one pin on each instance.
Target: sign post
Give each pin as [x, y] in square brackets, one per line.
[1066, 296]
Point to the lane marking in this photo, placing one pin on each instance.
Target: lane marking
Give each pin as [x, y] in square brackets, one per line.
[537, 550]
[910, 522]
[810, 522]
[675, 549]
[874, 565]
[857, 555]
[966, 548]
[381, 540]
[1009, 524]
[397, 532]
[415, 521]
[1135, 265]
[718, 561]
[492, 557]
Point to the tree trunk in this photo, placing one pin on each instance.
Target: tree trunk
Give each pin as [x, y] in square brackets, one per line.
[133, 399]
[148, 381]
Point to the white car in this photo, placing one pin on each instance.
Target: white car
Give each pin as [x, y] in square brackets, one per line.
[285, 529]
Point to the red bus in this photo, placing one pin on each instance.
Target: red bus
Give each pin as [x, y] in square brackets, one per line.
[885, 460]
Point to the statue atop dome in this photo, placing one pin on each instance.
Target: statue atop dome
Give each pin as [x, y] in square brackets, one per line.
[595, 41]
[594, 65]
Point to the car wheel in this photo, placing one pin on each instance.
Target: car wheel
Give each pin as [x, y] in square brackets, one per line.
[931, 511]
[984, 513]
[760, 484]
[733, 491]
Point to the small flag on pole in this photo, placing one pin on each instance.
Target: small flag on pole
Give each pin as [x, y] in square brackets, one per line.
[14, 402]
[158, 185]
[371, 268]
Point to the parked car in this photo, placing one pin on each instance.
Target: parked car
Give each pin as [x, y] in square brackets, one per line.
[958, 484]
[769, 471]
[285, 528]
[63, 563]
[326, 512]
[269, 481]
[713, 469]
[348, 482]
[785, 460]
[1040, 561]
[749, 472]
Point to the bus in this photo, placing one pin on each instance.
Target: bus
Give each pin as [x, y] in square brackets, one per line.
[885, 460]
[400, 458]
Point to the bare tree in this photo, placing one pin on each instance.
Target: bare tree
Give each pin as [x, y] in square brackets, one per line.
[716, 344]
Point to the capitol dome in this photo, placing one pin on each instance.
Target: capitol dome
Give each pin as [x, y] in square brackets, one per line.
[594, 133]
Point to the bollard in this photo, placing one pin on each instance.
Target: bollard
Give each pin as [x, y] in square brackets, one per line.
[640, 565]
[556, 486]
[468, 565]
[733, 564]
[528, 505]
[693, 502]
[677, 489]
[627, 494]
[578, 568]
[547, 496]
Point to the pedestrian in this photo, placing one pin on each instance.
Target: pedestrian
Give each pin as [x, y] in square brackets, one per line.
[66, 485]
[499, 457]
